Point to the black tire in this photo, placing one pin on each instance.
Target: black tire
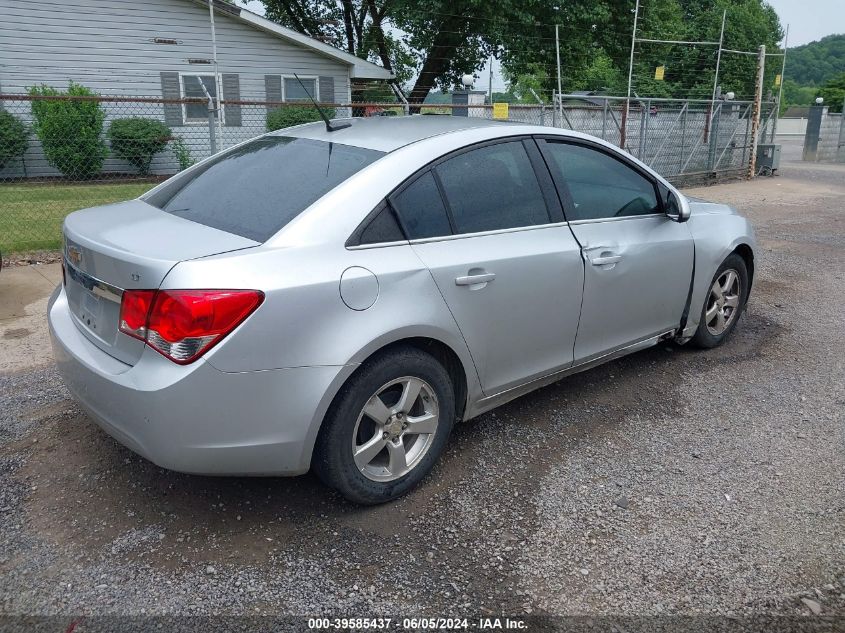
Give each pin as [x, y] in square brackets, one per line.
[703, 337]
[333, 460]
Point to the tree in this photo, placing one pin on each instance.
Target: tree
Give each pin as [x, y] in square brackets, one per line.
[434, 43]
[815, 63]
[523, 87]
[595, 40]
[437, 41]
[833, 93]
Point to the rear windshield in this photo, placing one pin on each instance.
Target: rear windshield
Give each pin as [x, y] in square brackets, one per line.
[256, 189]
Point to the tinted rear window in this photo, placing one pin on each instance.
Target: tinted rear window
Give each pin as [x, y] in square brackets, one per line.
[257, 188]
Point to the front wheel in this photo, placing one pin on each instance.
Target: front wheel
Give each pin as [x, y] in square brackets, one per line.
[724, 304]
[387, 427]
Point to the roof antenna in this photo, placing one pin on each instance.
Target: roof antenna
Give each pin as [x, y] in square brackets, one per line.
[330, 127]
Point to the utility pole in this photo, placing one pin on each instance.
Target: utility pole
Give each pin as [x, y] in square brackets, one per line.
[780, 88]
[557, 50]
[630, 76]
[490, 81]
[218, 88]
[755, 113]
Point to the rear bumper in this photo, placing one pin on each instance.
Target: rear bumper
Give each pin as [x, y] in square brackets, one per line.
[196, 418]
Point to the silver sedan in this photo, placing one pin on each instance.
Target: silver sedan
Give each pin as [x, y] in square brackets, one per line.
[336, 299]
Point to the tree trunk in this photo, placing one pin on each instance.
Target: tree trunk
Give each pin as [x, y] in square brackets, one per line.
[448, 38]
[348, 10]
[381, 44]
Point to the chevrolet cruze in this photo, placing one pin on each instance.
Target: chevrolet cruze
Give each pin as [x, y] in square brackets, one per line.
[336, 299]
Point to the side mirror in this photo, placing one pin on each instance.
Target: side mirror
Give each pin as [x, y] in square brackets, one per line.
[677, 206]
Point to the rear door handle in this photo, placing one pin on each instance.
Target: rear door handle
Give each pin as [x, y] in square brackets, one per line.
[471, 280]
[605, 259]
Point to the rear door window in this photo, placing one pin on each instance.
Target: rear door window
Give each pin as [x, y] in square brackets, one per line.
[491, 188]
[256, 189]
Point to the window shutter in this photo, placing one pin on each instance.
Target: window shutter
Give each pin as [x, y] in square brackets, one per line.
[327, 89]
[231, 92]
[170, 89]
[272, 90]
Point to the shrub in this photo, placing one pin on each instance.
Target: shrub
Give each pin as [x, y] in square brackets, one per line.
[13, 138]
[138, 140]
[182, 153]
[71, 132]
[294, 115]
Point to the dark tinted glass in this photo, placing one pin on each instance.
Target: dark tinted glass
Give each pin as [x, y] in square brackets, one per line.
[382, 228]
[600, 185]
[257, 188]
[491, 188]
[193, 88]
[421, 209]
[294, 90]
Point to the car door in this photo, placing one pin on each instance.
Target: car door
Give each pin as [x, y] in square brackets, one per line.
[506, 264]
[638, 261]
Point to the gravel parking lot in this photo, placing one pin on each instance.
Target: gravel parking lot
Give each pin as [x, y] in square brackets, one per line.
[673, 481]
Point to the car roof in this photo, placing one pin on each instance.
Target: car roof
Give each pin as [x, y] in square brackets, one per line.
[386, 134]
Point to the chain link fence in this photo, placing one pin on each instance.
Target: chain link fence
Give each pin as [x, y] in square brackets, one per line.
[63, 153]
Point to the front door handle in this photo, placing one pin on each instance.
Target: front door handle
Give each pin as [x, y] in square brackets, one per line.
[472, 280]
[602, 255]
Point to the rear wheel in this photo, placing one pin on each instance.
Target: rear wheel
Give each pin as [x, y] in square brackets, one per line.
[724, 304]
[387, 427]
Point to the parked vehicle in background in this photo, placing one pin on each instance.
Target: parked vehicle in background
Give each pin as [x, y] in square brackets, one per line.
[336, 300]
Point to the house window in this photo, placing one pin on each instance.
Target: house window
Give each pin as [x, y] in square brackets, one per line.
[294, 91]
[192, 86]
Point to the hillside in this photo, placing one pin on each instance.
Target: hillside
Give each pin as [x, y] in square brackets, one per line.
[815, 63]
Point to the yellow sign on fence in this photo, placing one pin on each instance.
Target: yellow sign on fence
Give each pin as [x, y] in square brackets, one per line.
[659, 72]
[500, 111]
[777, 80]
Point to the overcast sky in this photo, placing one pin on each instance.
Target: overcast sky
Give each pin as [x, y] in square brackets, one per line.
[808, 20]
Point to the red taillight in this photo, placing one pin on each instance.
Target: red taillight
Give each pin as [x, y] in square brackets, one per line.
[184, 324]
[134, 310]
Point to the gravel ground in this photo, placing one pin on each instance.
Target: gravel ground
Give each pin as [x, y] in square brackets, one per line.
[670, 482]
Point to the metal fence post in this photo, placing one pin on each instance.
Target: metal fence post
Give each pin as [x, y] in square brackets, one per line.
[683, 135]
[212, 140]
[604, 120]
[840, 147]
[643, 115]
[745, 144]
[714, 138]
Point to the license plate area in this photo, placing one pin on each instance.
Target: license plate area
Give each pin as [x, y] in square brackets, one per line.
[90, 310]
[94, 304]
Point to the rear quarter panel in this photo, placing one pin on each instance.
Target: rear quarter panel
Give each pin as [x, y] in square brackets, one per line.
[305, 322]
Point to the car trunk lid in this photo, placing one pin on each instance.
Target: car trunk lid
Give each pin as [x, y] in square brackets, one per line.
[129, 245]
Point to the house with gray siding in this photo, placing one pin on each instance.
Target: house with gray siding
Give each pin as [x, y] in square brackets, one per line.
[162, 49]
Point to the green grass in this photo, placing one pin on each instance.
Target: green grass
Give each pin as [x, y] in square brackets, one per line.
[31, 215]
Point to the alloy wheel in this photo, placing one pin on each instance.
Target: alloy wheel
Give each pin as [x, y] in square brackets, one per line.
[395, 429]
[723, 302]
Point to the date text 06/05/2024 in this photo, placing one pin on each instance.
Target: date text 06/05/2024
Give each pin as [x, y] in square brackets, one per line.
[417, 624]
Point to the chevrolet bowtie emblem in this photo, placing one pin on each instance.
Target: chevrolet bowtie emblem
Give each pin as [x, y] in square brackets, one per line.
[74, 256]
